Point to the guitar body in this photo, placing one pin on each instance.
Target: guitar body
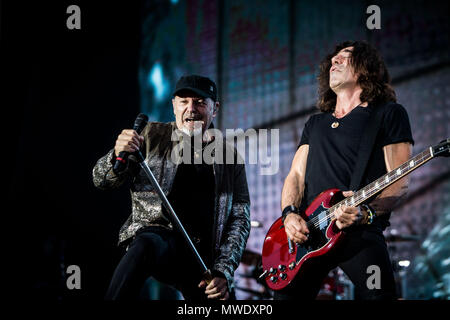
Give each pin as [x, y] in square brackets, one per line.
[282, 265]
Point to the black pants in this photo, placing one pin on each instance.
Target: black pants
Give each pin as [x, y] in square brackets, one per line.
[359, 250]
[159, 253]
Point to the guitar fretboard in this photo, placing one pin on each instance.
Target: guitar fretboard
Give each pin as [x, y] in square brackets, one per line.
[386, 180]
[360, 196]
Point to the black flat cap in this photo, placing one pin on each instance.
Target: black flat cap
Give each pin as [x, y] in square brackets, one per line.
[202, 86]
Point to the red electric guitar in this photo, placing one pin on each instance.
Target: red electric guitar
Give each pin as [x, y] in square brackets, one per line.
[282, 260]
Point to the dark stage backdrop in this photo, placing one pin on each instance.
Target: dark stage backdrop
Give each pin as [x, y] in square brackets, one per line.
[68, 93]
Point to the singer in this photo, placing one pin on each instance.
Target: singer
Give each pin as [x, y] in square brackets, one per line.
[211, 201]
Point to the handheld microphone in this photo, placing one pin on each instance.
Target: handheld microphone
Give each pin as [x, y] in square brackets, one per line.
[121, 160]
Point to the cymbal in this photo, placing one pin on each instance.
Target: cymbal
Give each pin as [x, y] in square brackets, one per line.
[256, 224]
[401, 237]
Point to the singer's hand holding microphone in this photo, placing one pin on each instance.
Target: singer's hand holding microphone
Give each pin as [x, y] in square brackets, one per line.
[128, 141]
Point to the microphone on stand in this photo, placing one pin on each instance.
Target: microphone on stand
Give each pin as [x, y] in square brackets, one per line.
[121, 159]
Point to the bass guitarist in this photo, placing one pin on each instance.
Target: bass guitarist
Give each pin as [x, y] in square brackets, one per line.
[353, 81]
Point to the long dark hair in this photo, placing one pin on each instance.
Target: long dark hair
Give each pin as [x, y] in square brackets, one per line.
[373, 77]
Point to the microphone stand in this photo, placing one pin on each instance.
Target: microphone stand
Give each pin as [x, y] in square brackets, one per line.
[206, 272]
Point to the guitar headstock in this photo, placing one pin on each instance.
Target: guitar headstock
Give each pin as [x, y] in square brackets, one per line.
[442, 149]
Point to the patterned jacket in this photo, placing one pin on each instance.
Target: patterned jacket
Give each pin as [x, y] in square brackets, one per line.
[232, 203]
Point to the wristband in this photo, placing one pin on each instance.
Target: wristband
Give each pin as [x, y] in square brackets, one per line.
[288, 210]
[370, 213]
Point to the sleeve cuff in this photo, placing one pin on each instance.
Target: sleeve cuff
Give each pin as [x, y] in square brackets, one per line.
[217, 271]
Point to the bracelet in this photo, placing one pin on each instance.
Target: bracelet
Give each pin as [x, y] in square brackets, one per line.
[288, 210]
[370, 212]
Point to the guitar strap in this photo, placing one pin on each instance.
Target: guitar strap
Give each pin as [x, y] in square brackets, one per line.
[367, 143]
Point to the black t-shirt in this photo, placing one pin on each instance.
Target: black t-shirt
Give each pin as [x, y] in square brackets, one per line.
[333, 152]
[192, 197]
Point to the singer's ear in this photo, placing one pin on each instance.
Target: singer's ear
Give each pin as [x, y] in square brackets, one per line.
[216, 108]
[173, 105]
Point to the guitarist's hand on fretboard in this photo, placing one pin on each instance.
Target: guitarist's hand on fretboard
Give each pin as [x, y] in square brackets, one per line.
[347, 216]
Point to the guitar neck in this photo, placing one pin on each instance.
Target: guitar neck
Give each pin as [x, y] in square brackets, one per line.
[385, 181]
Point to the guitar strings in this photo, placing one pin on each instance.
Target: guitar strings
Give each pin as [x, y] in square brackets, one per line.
[422, 155]
[316, 222]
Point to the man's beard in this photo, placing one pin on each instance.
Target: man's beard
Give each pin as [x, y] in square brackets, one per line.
[197, 130]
